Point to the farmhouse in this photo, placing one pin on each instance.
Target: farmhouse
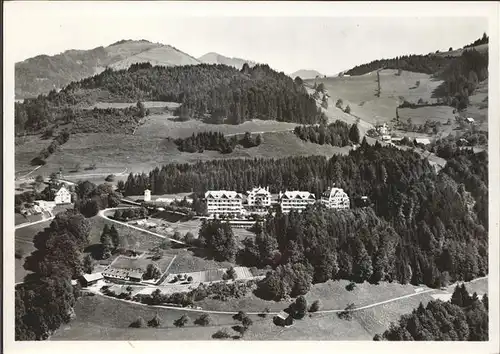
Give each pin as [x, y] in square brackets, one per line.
[297, 200]
[283, 319]
[470, 120]
[90, 279]
[335, 198]
[223, 203]
[382, 129]
[63, 196]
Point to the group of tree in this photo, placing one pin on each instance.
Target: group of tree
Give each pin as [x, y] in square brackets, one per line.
[464, 318]
[483, 40]
[337, 134]
[62, 138]
[46, 298]
[245, 320]
[45, 113]
[219, 93]
[216, 141]
[110, 241]
[218, 238]
[91, 198]
[130, 214]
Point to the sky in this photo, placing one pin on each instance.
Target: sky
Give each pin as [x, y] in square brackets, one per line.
[287, 41]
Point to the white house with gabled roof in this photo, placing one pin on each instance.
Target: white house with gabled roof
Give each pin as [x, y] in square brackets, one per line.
[259, 196]
[224, 203]
[295, 200]
[335, 198]
[63, 196]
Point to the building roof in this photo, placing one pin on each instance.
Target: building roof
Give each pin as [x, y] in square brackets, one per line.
[223, 195]
[333, 192]
[424, 141]
[62, 190]
[135, 274]
[283, 315]
[259, 190]
[123, 273]
[470, 119]
[297, 195]
[92, 277]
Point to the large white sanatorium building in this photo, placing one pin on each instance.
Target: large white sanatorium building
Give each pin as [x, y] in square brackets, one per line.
[335, 198]
[297, 200]
[224, 203]
[260, 197]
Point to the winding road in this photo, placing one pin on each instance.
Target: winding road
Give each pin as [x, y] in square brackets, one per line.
[379, 303]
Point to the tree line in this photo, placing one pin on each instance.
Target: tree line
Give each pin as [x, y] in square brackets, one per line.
[59, 140]
[337, 134]
[464, 318]
[216, 141]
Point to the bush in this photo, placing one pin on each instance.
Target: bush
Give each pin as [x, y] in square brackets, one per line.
[315, 306]
[351, 286]
[203, 320]
[221, 334]
[110, 178]
[347, 313]
[155, 321]
[19, 254]
[138, 323]
[181, 321]
[347, 109]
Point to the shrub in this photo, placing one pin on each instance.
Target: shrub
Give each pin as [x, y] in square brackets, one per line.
[138, 323]
[315, 306]
[221, 334]
[181, 321]
[347, 313]
[155, 321]
[203, 320]
[347, 109]
[351, 286]
[19, 254]
[110, 178]
[239, 316]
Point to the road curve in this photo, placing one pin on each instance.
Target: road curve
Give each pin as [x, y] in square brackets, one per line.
[102, 215]
[275, 313]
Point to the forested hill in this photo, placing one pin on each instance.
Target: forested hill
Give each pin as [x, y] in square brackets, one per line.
[217, 93]
[432, 64]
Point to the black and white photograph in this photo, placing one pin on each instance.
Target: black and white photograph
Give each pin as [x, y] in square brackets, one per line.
[250, 172]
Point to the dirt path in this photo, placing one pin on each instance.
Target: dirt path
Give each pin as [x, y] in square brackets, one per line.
[44, 219]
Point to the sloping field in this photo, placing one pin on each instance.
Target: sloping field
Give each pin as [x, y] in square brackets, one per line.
[163, 125]
[163, 55]
[121, 105]
[24, 244]
[112, 153]
[359, 93]
[433, 113]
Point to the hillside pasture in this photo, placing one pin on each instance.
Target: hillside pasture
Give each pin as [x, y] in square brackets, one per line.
[122, 105]
[420, 115]
[164, 125]
[113, 153]
[359, 92]
[24, 246]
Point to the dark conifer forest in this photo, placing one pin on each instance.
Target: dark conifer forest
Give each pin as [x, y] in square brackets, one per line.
[215, 93]
[422, 226]
[464, 318]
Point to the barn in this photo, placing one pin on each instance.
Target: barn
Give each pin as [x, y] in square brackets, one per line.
[283, 319]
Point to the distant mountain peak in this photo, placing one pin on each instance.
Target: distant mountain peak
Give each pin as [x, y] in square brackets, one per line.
[306, 74]
[216, 58]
